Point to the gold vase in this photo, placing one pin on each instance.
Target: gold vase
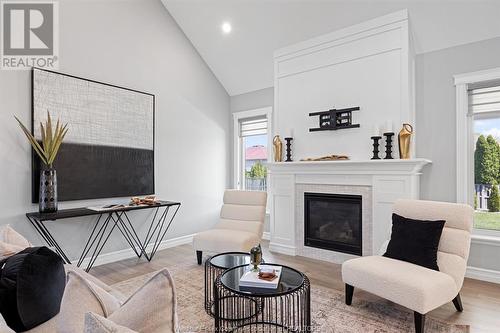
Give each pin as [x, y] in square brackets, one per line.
[278, 149]
[404, 139]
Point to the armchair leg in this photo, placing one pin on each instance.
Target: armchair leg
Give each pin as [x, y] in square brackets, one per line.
[199, 256]
[419, 322]
[349, 291]
[457, 301]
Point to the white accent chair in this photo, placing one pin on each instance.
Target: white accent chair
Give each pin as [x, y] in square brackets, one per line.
[240, 227]
[418, 288]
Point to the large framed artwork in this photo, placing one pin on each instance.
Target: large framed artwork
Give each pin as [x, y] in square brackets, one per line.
[109, 149]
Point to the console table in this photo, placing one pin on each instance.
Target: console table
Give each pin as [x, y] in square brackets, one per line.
[106, 222]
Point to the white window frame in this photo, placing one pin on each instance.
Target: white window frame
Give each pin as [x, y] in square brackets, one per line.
[465, 144]
[238, 144]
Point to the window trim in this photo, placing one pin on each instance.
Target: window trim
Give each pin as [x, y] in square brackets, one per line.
[464, 142]
[237, 144]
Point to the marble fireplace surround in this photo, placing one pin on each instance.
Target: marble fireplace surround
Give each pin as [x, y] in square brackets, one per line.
[379, 182]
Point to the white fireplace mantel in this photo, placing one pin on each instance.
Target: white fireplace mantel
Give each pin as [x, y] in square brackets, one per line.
[386, 180]
[370, 167]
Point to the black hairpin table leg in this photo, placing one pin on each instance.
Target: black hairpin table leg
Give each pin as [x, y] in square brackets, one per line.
[160, 229]
[48, 238]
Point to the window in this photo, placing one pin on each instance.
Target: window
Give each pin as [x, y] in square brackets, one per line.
[477, 149]
[251, 149]
[484, 109]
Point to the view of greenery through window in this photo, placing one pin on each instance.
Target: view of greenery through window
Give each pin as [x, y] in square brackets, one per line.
[487, 174]
[255, 150]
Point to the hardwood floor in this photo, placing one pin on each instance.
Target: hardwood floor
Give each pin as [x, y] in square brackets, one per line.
[481, 300]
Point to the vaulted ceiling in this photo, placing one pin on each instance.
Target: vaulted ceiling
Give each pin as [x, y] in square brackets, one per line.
[243, 59]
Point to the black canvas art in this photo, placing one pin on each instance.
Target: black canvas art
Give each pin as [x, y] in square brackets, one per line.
[109, 149]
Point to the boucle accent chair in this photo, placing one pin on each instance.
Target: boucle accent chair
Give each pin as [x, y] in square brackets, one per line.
[240, 227]
[418, 288]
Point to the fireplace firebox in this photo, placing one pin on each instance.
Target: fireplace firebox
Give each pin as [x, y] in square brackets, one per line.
[333, 222]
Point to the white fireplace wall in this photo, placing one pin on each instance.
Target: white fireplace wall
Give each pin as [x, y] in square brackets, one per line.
[366, 215]
[369, 65]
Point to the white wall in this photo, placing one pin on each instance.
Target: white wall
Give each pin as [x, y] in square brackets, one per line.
[136, 44]
[436, 118]
[365, 65]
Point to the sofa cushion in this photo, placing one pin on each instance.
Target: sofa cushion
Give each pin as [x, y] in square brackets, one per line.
[415, 241]
[225, 240]
[98, 324]
[415, 287]
[31, 287]
[11, 241]
[82, 296]
[152, 308]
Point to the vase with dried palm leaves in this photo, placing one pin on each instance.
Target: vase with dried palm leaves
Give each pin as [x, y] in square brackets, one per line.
[47, 149]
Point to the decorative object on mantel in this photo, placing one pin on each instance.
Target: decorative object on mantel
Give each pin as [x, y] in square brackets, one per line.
[334, 119]
[326, 158]
[47, 152]
[278, 149]
[388, 145]
[375, 147]
[288, 149]
[404, 138]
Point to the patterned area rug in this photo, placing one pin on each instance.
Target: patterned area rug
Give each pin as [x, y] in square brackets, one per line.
[329, 313]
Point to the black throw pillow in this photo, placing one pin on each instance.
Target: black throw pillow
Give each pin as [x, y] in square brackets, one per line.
[415, 241]
[31, 287]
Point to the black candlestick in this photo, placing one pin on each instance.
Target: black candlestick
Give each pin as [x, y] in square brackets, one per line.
[375, 147]
[388, 145]
[288, 149]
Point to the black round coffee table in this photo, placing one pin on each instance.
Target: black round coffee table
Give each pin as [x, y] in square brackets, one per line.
[241, 309]
[214, 267]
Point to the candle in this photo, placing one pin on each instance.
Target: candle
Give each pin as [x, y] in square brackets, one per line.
[388, 126]
[289, 133]
[376, 130]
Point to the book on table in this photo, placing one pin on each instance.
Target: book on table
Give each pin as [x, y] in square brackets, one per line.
[251, 278]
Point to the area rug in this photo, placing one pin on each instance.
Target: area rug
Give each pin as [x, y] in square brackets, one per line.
[329, 313]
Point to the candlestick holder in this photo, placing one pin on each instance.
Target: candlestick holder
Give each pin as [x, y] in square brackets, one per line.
[375, 147]
[288, 149]
[388, 145]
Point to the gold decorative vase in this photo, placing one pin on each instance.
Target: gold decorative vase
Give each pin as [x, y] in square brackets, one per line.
[278, 149]
[404, 139]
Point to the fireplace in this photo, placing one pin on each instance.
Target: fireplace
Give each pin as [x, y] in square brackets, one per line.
[333, 222]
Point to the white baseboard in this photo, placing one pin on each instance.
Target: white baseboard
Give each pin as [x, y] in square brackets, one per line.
[266, 235]
[283, 249]
[483, 274]
[114, 256]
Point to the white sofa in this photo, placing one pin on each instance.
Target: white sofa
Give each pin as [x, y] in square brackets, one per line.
[418, 288]
[85, 296]
[240, 227]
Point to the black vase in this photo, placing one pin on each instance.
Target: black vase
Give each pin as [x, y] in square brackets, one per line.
[48, 190]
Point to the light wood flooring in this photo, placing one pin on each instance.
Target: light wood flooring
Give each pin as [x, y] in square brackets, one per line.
[481, 300]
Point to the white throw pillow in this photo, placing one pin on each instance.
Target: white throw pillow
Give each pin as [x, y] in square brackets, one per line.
[152, 308]
[11, 241]
[98, 324]
[82, 296]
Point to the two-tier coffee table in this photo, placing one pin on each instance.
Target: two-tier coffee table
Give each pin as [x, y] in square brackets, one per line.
[287, 308]
[215, 266]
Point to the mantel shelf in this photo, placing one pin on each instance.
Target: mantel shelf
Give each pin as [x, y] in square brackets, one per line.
[410, 166]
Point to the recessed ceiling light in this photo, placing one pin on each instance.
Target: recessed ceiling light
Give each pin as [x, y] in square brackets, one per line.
[226, 27]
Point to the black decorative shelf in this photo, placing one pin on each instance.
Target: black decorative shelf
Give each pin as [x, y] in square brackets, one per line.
[334, 119]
